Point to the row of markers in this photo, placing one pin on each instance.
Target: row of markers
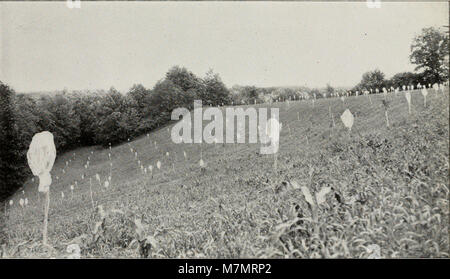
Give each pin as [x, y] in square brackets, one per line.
[306, 96]
[435, 86]
[348, 119]
[22, 202]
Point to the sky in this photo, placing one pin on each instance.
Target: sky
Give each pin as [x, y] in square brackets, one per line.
[47, 46]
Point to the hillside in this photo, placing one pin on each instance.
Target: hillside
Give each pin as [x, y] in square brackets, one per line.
[389, 188]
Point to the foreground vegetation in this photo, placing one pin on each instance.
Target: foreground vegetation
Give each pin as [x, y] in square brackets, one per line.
[388, 199]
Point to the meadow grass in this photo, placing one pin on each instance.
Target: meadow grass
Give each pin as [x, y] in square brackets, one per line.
[389, 189]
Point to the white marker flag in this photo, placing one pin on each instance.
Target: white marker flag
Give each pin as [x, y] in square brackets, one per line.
[436, 86]
[347, 118]
[41, 157]
[408, 99]
[424, 93]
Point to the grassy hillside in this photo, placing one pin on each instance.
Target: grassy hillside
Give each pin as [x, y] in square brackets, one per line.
[389, 188]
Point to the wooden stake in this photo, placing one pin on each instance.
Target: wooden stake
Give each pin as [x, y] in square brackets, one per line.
[90, 188]
[387, 118]
[47, 205]
[275, 158]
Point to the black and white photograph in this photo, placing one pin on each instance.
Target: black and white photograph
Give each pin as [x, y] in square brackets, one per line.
[220, 130]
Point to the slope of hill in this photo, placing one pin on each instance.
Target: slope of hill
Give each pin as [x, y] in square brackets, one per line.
[389, 189]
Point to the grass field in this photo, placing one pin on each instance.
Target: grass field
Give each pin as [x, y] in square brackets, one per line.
[389, 191]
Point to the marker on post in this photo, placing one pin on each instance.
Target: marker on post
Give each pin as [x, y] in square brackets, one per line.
[41, 157]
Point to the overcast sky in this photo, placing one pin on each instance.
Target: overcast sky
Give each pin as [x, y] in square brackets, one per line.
[47, 46]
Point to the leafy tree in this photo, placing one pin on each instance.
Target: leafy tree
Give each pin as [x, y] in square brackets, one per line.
[113, 123]
[372, 80]
[276, 93]
[118, 126]
[85, 109]
[12, 164]
[250, 94]
[216, 90]
[406, 78]
[329, 90]
[110, 130]
[140, 97]
[288, 93]
[27, 119]
[429, 51]
[65, 123]
[184, 79]
[166, 97]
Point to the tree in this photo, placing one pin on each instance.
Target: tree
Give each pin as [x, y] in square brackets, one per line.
[139, 95]
[183, 78]
[27, 119]
[65, 121]
[12, 164]
[216, 90]
[250, 94]
[166, 97]
[429, 51]
[372, 80]
[117, 117]
[329, 90]
[85, 107]
[406, 78]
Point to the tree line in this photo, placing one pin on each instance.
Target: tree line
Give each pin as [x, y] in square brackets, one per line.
[94, 118]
